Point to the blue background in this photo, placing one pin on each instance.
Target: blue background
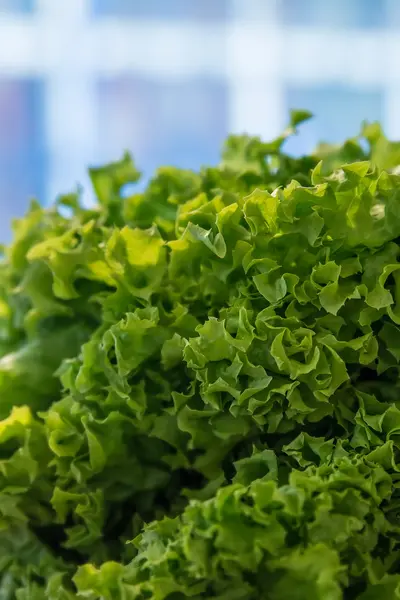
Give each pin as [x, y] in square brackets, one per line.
[168, 120]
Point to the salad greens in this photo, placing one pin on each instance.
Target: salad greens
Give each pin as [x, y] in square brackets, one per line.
[199, 383]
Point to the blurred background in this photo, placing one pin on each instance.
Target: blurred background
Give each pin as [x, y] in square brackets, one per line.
[82, 80]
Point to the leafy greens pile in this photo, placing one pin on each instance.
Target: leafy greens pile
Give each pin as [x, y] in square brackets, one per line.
[199, 384]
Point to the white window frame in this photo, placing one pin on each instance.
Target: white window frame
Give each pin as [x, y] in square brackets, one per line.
[63, 45]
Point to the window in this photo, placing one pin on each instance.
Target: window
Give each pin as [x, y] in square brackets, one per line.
[178, 123]
[22, 156]
[363, 14]
[162, 9]
[338, 109]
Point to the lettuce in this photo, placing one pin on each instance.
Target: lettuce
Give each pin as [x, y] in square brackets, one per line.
[199, 383]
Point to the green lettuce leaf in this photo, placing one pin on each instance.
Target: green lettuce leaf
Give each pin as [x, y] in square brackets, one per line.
[199, 382]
